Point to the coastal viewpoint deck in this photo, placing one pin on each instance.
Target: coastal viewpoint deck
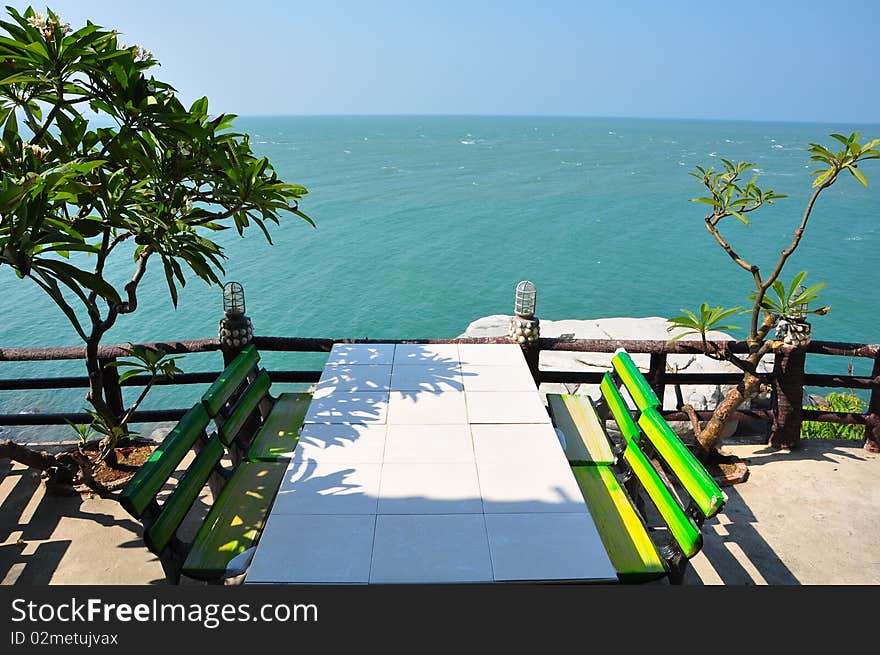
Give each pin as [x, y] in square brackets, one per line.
[804, 517]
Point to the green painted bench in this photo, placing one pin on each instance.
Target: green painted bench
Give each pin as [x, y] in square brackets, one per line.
[615, 475]
[254, 425]
[235, 519]
[258, 433]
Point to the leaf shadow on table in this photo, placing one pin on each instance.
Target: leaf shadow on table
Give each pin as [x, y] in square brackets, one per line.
[428, 373]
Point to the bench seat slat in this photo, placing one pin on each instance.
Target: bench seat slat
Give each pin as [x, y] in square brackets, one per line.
[152, 475]
[690, 473]
[279, 435]
[176, 506]
[636, 384]
[623, 534]
[236, 519]
[244, 407]
[585, 438]
[232, 377]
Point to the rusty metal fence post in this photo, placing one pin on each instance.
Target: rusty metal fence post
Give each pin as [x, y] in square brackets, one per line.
[787, 396]
[656, 375]
[872, 423]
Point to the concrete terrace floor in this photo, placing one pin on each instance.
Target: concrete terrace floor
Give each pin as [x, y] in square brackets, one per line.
[806, 517]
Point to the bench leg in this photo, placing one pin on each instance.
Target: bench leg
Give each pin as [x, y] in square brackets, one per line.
[677, 567]
[172, 561]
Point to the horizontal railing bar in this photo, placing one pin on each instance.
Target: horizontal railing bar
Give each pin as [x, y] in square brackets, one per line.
[821, 416]
[302, 344]
[844, 349]
[573, 377]
[294, 376]
[82, 382]
[570, 377]
[706, 414]
[146, 416]
[638, 346]
[594, 377]
[104, 352]
[154, 416]
[841, 381]
[810, 379]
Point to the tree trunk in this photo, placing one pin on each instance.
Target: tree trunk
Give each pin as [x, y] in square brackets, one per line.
[59, 468]
[96, 382]
[710, 437]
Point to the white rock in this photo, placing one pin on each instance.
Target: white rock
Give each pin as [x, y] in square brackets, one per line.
[702, 397]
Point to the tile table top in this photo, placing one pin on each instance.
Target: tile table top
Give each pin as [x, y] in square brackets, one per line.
[434, 463]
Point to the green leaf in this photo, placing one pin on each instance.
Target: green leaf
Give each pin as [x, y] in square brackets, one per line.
[10, 132]
[740, 216]
[858, 175]
[823, 177]
[68, 272]
[796, 282]
[129, 374]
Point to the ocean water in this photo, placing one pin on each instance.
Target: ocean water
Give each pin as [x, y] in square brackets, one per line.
[427, 223]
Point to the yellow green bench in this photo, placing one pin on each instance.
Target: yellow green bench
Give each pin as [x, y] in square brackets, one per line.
[258, 432]
[614, 475]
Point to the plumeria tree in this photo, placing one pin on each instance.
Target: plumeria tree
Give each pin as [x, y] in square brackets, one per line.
[102, 162]
[771, 301]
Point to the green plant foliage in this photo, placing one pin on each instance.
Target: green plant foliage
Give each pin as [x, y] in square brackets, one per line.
[728, 195]
[95, 153]
[788, 298]
[835, 401]
[162, 174]
[843, 160]
[145, 360]
[709, 318]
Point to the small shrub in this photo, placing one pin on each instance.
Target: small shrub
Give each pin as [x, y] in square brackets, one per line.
[835, 402]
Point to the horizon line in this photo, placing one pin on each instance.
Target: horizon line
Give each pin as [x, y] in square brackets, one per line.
[581, 116]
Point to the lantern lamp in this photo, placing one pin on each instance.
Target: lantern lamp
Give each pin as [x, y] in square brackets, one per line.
[233, 299]
[526, 297]
[524, 327]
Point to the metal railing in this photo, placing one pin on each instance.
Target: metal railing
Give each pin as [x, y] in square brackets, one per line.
[788, 377]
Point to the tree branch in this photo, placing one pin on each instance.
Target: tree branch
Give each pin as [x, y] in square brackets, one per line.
[695, 421]
[63, 304]
[742, 263]
[785, 254]
[130, 304]
[137, 403]
[742, 364]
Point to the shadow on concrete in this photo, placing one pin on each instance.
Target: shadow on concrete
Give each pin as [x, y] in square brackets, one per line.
[735, 552]
[46, 538]
[817, 450]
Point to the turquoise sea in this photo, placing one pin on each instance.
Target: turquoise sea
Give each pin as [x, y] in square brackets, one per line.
[427, 223]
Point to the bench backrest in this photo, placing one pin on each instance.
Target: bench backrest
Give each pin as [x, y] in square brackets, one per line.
[230, 380]
[139, 496]
[682, 527]
[705, 495]
[236, 395]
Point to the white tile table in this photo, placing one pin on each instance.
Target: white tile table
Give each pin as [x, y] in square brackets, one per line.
[428, 464]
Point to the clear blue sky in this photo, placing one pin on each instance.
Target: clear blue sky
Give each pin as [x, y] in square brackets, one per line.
[783, 60]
